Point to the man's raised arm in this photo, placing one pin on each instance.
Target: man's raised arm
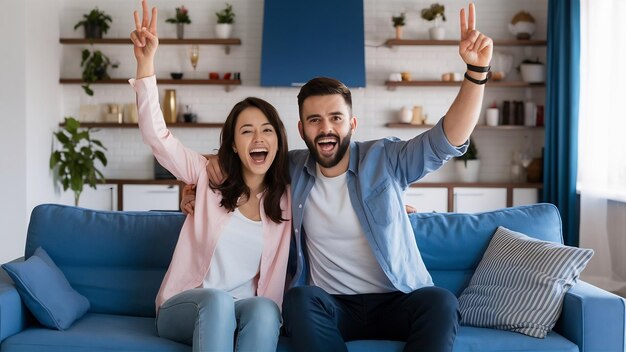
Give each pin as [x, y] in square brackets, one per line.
[476, 50]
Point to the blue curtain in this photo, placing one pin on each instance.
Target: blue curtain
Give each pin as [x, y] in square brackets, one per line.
[561, 145]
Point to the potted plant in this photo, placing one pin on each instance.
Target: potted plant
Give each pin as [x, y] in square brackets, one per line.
[398, 24]
[433, 13]
[96, 23]
[533, 71]
[225, 20]
[74, 165]
[181, 19]
[95, 67]
[468, 165]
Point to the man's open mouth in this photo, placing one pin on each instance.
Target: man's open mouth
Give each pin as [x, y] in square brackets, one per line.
[327, 144]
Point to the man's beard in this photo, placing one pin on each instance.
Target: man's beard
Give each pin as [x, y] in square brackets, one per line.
[342, 148]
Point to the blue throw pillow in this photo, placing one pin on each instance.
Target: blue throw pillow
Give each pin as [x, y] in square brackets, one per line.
[46, 292]
[520, 283]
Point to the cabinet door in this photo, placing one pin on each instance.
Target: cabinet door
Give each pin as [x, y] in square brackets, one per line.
[427, 199]
[104, 197]
[150, 197]
[474, 200]
[525, 196]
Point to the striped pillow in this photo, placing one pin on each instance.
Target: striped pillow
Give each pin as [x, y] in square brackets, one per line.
[520, 283]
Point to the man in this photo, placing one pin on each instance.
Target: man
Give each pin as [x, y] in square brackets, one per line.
[356, 270]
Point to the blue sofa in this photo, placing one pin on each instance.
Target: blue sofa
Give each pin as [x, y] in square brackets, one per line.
[117, 261]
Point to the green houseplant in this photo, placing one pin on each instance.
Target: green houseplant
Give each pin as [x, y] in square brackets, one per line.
[180, 19]
[96, 23]
[74, 165]
[434, 13]
[95, 66]
[398, 24]
[226, 15]
[225, 20]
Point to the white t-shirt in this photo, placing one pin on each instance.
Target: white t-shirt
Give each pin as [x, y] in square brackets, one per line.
[237, 258]
[341, 259]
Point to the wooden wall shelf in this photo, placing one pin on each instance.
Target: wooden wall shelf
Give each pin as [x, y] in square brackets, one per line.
[227, 83]
[498, 84]
[232, 82]
[134, 125]
[480, 127]
[165, 41]
[426, 42]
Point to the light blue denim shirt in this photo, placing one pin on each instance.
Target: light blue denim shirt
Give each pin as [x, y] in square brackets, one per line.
[378, 173]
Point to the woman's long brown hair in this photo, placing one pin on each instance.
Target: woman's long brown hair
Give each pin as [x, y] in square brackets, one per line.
[277, 177]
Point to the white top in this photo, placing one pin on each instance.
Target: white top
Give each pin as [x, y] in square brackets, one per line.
[341, 259]
[237, 258]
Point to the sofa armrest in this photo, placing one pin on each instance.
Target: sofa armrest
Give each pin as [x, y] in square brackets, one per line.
[12, 310]
[593, 318]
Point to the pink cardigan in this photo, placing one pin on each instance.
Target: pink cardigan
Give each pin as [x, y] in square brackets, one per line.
[200, 233]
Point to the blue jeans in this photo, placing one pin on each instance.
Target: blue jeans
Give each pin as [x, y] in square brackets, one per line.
[427, 319]
[211, 320]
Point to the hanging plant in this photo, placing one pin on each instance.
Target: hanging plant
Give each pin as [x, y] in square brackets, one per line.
[95, 67]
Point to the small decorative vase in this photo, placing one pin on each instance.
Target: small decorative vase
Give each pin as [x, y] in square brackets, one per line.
[522, 25]
[437, 33]
[418, 117]
[406, 115]
[180, 30]
[399, 32]
[223, 30]
[169, 106]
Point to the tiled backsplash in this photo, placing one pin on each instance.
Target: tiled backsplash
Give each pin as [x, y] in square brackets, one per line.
[374, 106]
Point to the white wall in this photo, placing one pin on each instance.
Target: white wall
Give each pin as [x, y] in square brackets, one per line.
[43, 97]
[32, 102]
[30, 108]
[374, 105]
[13, 131]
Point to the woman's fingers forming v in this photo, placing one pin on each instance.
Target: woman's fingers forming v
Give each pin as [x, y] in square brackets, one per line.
[134, 37]
[153, 21]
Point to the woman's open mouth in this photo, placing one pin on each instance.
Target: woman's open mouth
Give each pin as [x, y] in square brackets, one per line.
[258, 155]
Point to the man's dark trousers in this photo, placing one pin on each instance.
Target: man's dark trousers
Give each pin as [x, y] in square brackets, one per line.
[427, 319]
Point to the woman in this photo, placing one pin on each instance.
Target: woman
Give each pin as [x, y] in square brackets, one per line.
[225, 282]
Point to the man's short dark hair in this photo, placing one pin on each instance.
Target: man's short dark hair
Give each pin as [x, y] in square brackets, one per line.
[324, 86]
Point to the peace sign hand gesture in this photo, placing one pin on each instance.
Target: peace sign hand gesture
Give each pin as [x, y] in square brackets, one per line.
[475, 48]
[144, 37]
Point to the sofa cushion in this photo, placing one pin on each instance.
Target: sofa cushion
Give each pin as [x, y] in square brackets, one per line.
[46, 292]
[115, 259]
[520, 283]
[95, 333]
[453, 244]
[468, 339]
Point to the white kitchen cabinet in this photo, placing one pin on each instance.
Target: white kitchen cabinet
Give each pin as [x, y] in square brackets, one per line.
[475, 199]
[150, 197]
[525, 196]
[427, 199]
[104, 197]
